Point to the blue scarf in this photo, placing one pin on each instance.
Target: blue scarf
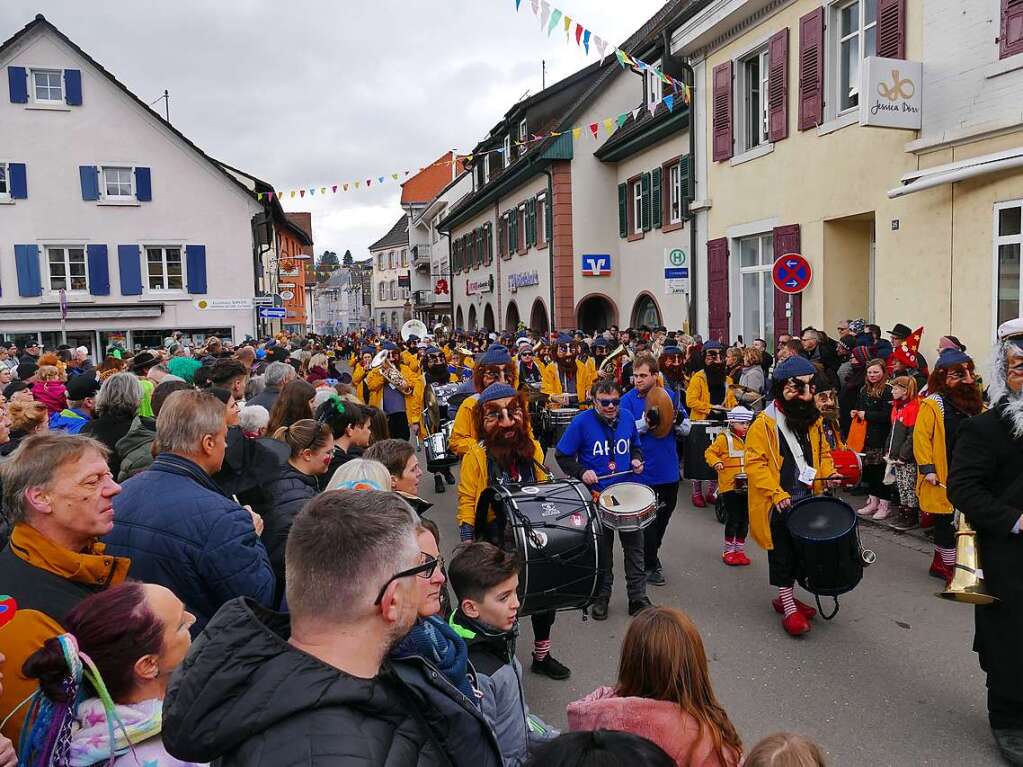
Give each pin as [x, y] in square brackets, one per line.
[433, 639]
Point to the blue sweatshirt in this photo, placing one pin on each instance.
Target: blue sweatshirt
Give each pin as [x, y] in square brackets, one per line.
[595, 445]
[660, 454]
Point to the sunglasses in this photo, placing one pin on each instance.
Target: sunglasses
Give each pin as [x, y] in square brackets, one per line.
[608, 402]
[423, 570]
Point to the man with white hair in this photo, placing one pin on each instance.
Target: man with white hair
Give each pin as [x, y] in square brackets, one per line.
[276, 376]
[985, 483]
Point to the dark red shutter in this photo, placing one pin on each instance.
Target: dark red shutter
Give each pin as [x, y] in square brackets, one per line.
[1011, 37]
[778, 86]
[811, 69]
[722, 111]
[891, 29]
[786, 240]
[717, 289]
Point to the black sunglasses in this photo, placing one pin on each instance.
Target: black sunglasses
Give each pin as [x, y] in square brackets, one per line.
[423, 570]
[608, 402]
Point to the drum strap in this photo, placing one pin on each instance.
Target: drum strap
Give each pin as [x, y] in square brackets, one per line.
[790, 438]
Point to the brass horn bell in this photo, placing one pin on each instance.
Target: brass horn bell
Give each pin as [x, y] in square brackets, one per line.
[968, 579]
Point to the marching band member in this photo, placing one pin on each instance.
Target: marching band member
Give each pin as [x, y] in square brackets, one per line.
[707, 388]
[543, 354]
[359, 371]
[826, 400]
[401, 398]
[673, 374]
[952, 398]
[726, 457]
[660, 467]
[494, 366]
[597, 443]
[438, 385]
[506, 446]
[983, 484]
[787, 459]
[461, 362]
[568, 382]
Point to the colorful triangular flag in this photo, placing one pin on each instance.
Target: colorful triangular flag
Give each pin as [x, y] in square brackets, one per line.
[380, 179]
[369, 182]
[586, 41]
[517, 4]
[394, 176]
[594, 128]
[292, 192]
[609, 124]
[357, 184]
[259, 196]
[601, 47]
[621, 57]
[545, 13]
[576, 133]
[536, 7]
[635, 113]
[568, 25]
[334, 189]
[622, 118]
[669, 101]
[578, 34]
[345, 187]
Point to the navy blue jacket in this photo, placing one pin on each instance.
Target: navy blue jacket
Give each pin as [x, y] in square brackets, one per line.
[660, 454]
[181, 532]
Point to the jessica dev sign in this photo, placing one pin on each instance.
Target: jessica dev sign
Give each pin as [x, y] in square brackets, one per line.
[891, 93]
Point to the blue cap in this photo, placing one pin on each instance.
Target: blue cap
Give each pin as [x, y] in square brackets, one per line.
[389, 346]
[599, 342]
[367, 350]
[950, 357]
[497, 391]
[713, 345]
[496, 355]
[565, 339]
[793, 367]
[432, 350]
[672, 349]
[260, 354]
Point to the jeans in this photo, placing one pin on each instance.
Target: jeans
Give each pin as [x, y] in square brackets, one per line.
[635, 577]
[667, 498]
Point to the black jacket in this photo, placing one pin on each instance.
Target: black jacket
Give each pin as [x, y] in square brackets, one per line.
[985, 482]
[108, 428]
[246, 697]
[878, 415]
[287, 494]
[249, 465]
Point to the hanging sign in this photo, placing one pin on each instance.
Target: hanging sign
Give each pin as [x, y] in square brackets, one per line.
[891, 93]
[223, 304]
[676, 271]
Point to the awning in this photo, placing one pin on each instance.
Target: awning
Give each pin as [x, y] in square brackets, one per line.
[917, 181]
[78, 312]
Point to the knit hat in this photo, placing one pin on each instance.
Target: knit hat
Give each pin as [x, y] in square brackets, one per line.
[862, 354]
[564, 339]
[432, 350]
[26, 370]
[184, 367]
[497, 391]
[793, 367]
[950, 357]
[671, 349]
[599, 343]
[710, 345]
[740, 414]
[856, 326]
[496, 355]
[949, 342]
[389, 346]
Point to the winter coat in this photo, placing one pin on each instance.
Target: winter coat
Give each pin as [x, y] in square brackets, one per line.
[53, 394]
[108, 428]
[249, 464]
[878, 415]
[288, 492]
[181, 532]
[473, 480]
[267, 399]
[661, 721]
[930, 454]
[499, 678]
[70, 420]
[903, 420]
[246, 697]
[849, 395]
[698, 396]
[135, 449]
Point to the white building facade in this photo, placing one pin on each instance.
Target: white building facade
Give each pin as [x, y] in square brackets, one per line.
[390, 256]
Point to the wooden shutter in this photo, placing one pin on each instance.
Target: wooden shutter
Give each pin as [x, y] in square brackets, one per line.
[531, 216]
[722, 119]
[195, 258]
[645, 203]
[686, 182]
[26, 261]
[656, 198]
[99, 270]
[17, 82]
[623, 210]
[1010, 41]
[787, 240]
[130, 269]
[73, 87]
[811, 69]
[891, 29]
[717, 289]
[778, 86]
[89, 175]
[513, 230]
[17, 180]
[143, 184]
[548, 219]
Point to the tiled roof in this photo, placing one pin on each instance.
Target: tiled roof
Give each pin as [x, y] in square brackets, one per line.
[398, 235]
[428, 183]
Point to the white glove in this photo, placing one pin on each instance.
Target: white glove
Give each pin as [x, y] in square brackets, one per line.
[642, 426]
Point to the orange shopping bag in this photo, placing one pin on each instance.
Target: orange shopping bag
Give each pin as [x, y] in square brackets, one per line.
[857, 435]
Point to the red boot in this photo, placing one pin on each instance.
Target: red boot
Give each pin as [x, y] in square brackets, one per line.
[796, 624]
[698, 501]
[741, 559]
[926, 520]
[939, 569]
[710, 493]
[803, 609]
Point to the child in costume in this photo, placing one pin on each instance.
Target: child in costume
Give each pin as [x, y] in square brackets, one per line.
[726, 457]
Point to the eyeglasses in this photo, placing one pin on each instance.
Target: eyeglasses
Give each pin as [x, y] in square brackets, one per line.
[494, 416]
[955, 375]
[423, 570]
[608, 402]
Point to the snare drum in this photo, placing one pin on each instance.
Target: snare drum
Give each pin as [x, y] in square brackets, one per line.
[627, 506]
[741, 483]
[557, 421]
[827, 543]
[849, 465]
[438, 454]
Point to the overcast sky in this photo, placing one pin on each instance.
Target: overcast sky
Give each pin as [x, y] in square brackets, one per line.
[315, 92]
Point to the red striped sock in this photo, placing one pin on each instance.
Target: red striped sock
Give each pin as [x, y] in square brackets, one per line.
[788, 600]
[948, 556]
[740, 544]
[541, 649]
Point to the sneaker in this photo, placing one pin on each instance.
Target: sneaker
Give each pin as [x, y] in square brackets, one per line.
[870, 509]
[438, 484]
[884, 511]
[795, 624]
[729, 558]
[741, 560]
[1010, 744]
[599, 610]
[550, 668]
[639, 605]
[804, 609]
[655, 577]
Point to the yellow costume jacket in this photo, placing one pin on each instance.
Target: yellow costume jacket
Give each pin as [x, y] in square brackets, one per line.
[550, 382]
[698, 396]
[734, 464]
[413, 402]
[763, 465]
[463, 430]
[929, 452]
[358, 378]
[473, 479]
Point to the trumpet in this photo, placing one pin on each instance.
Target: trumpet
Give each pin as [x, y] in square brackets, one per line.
[392, 375]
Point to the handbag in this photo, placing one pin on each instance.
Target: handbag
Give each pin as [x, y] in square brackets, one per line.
[857, 435]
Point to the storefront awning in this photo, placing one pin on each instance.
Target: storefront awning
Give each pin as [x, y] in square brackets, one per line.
[917, 181]
[76, 312]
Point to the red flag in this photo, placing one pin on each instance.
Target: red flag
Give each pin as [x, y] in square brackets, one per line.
[369, 182]
[301, 192]
[334, 189]
[578, 35]
[594, 128]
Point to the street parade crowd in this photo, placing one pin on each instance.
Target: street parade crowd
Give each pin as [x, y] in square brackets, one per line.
[219, 553]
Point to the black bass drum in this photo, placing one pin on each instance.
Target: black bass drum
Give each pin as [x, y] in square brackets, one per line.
[554, 528]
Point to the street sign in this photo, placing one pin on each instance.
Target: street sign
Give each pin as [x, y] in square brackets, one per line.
[676, 271]
[791, 273]
[262, 300]
[676, 274]
[405, 280]
[273, 312]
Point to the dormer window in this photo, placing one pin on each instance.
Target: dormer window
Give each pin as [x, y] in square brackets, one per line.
[654, 91]
[507, 151]
[523, 135]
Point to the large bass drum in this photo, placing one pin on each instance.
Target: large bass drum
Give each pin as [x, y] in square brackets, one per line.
[554, 529]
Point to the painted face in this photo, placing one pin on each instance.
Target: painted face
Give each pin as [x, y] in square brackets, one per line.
[875, 374]
[799, 388]
[318, 461]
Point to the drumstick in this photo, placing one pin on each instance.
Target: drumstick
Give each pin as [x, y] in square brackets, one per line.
[616, 474]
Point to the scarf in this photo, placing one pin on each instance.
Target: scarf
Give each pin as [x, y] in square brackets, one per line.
[795, 446]
[90, 742]
[435, 641]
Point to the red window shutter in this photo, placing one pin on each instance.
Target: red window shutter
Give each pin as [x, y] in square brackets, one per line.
[717, 289]
[787, 240]
[811, 69]
[778, 86]
[1011, 37]
[722, 120]
[891, 29]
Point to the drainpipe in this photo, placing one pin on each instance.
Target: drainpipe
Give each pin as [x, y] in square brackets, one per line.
[691, 77]
[550, 246]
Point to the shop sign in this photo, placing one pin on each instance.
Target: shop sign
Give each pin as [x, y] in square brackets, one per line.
[596, 264]
[891, 93]
[223, 304]
[475, 287]
[676, 271]
[523, 280]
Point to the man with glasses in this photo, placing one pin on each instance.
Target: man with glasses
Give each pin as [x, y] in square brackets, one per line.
[568, 381]
[709, 396]
[984, 484]
[597, 445]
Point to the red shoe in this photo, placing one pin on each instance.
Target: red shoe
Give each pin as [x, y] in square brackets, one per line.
[741, 559]
[939, 569]
[729, 558]
[926, 520]
[711, 497]
[726, 556]
[804, 609]
[796, 624]
[698, 501]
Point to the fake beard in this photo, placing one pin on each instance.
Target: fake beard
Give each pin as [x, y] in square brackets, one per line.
[567, 363]
[439, 373]
[1013, 413]
[799, 413]
[715, 373]
[673, 372]
[965, 398]
[509, 447]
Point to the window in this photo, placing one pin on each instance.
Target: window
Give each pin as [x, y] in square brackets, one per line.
[404, 257]
[66, 269]
[380, 261]
[855, 25]
[675, 194]
[1010, 41]
[394, 290]
[637, 207]
[117, 183]
[5, 190]
[1008, 242]
[164, 269]
[394, 319]
[507, 151]
[392, 260]
[486, 168]
[523, 135]
[541, 220]
[756, 290]
[381, 291]
[654, 93]
[752, 106]
[47, 86]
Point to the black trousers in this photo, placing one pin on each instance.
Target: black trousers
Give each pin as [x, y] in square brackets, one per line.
[667, 499]
[542, 623]
[873, 480]
[944, 531]
[397, 426]
[782, 560]
[736, 514]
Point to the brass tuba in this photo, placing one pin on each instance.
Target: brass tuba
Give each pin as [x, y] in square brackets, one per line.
[390, 373]
[968, 579]
[607, 366]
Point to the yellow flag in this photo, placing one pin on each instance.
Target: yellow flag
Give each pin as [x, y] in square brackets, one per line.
[609, 124]
[576, 133]
[357, 184]
[568, 23]
[292, 192]
[394, 176]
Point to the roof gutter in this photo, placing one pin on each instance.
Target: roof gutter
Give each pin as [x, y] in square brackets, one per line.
[953, 176]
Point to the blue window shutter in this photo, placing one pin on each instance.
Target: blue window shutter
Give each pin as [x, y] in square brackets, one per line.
[99, 271]
[17, 79]
[130, 268]
[73, 87]
[18, 181]
[90, 181]
[26, 258]
[195, 263]
[143, 185]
